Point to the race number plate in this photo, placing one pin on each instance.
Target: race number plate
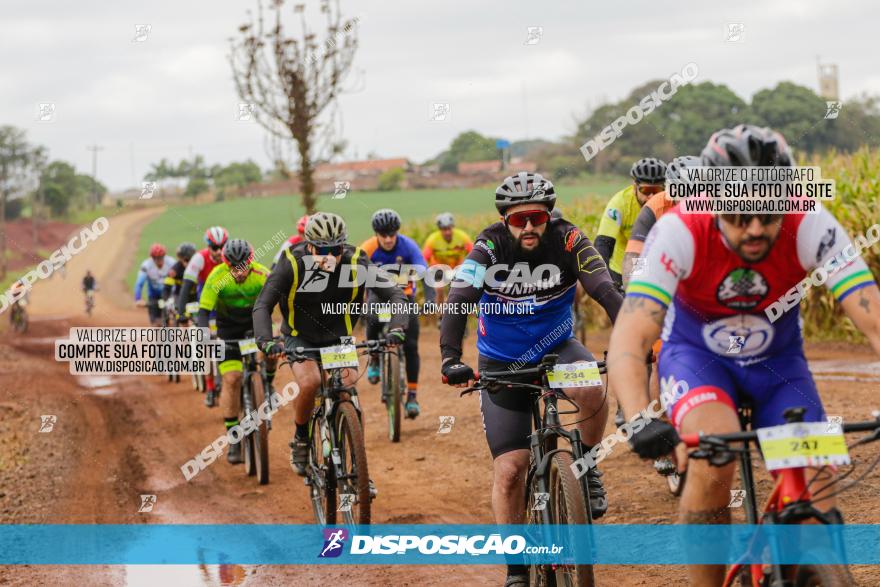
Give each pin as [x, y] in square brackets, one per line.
[161, 304]
[575, 375]
[247, 346]
[384, 313]
[341, 355]
[192, 308]
[802, 444]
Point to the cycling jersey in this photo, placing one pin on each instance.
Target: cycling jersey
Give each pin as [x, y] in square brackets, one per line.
[88, 283]
[404, 252]
[717, 334]
[200, 266]
[173, 280]
[302, 290]
[543, 299]
[614, 228]
[654, 208]
[153, 276]
[232, 301]
[438, 251]
[295, 239]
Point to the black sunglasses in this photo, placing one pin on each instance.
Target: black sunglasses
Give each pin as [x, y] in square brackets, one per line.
[741, 220]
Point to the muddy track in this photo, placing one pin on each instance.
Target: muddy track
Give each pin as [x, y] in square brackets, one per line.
[117, 440]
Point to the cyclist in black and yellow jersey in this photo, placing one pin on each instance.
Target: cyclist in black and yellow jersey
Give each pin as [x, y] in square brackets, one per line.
[318, 271]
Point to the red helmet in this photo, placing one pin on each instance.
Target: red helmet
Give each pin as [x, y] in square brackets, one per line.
[217, 236]
[157, 250]
[301, 224]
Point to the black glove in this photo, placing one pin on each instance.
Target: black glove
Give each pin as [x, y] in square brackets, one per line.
[455, 372]
[272, 348]
[656, 439]
[395, 337]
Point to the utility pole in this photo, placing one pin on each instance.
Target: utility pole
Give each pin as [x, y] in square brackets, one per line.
[94, 149]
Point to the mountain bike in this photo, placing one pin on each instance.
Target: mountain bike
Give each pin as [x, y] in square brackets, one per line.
[791, 501]
[554, 495]
[169, 320]
[255, 390]
[18, 316]
[392, 377]
[337, 471]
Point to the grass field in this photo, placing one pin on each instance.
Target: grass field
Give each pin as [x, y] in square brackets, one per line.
[258, 219]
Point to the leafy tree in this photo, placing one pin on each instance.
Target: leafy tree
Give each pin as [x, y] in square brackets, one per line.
[195, 186]
[15, 159]
[468, 146]
[391, 180]
[61, 187]
[795, 111]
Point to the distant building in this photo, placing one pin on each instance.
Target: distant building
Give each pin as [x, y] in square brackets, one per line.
[353, 170]
[828, 81]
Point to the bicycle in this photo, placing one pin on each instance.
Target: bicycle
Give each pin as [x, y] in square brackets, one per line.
[169, 320]
[550, 480]
[90, 301]
[790, 502]
[18, 316]
[392, 375]
[337, 462]
[255, 390]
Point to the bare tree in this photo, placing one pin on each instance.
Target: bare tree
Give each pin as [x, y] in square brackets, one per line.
[292, 82]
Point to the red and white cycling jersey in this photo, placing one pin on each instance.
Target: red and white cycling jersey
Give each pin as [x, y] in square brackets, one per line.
[713, 295]
[200, 266]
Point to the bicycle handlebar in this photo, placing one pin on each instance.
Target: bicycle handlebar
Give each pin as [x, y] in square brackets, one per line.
[716, 441]
[299, 355]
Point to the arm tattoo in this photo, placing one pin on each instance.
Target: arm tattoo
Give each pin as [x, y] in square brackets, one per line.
[863, 301]
[631, 304]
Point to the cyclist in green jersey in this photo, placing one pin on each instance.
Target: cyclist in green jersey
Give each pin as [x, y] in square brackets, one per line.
[232, 289]
[649, 178]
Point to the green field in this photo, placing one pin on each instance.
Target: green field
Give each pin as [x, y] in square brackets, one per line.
[257, 219]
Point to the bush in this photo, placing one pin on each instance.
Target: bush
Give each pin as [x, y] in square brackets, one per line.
[391, 180]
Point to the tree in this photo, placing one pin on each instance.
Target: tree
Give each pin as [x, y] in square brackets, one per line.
[468, 146]
[15, 158]
[196, 186]
[391, 180]
[293, 81]
[62, 187]
[795, 111]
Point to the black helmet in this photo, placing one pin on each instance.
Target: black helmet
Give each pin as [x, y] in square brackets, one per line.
[186, 250]
[237, 252]
[677, 165]
[386, 221]
[525, 187]
[649, 170]
[747, 145]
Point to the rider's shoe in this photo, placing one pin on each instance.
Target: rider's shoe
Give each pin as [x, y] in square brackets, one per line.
[373, 491]
[517, 581]
[299, 455]
[664, 466]
[598, 499]
[233, 455]
[619, 420]
[412, 408]
[210, 398]
[373, 371]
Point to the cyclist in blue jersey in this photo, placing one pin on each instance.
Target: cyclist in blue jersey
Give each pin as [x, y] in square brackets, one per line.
[391, 250]
[504, 268]
[152, 273]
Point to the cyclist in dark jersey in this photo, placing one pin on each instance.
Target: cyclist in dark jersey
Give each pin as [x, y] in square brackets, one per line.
[527, 239]
[309, 275]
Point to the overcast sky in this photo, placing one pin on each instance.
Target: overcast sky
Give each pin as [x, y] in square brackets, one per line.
[173, 94]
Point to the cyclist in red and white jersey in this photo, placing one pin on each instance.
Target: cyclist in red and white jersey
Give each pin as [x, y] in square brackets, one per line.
[717, 285]
[297, 238]
[200, 266]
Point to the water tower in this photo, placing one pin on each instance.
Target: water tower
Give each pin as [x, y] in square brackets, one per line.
[828, 87]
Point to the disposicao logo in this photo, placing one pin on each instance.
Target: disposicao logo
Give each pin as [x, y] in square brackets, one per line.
[334, 541]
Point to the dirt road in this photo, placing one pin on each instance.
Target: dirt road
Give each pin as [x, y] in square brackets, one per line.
[116, 439]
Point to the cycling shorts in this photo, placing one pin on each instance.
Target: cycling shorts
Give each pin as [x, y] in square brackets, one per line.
[691, 376]
[507, 414]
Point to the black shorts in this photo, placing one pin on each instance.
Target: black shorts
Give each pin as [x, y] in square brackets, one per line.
[507, 414]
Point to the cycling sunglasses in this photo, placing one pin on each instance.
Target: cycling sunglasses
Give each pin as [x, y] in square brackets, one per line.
[214, 247]
[520, 219]
[742, 220]
[649, 189]
[328, 250]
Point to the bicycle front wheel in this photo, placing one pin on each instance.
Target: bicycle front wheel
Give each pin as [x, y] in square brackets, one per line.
[392, 380]
[261, 434]
[352, 475]
[566, 505]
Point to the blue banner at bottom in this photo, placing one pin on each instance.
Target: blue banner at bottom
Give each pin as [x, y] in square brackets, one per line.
[69, 544]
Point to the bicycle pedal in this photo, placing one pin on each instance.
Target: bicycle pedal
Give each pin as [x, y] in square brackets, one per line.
[664, 467]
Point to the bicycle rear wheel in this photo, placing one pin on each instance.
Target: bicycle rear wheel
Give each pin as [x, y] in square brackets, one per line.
[261, 434]
[392, 379]
[247, 442]
[321, 477]
[566, 506]
[352, 477]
